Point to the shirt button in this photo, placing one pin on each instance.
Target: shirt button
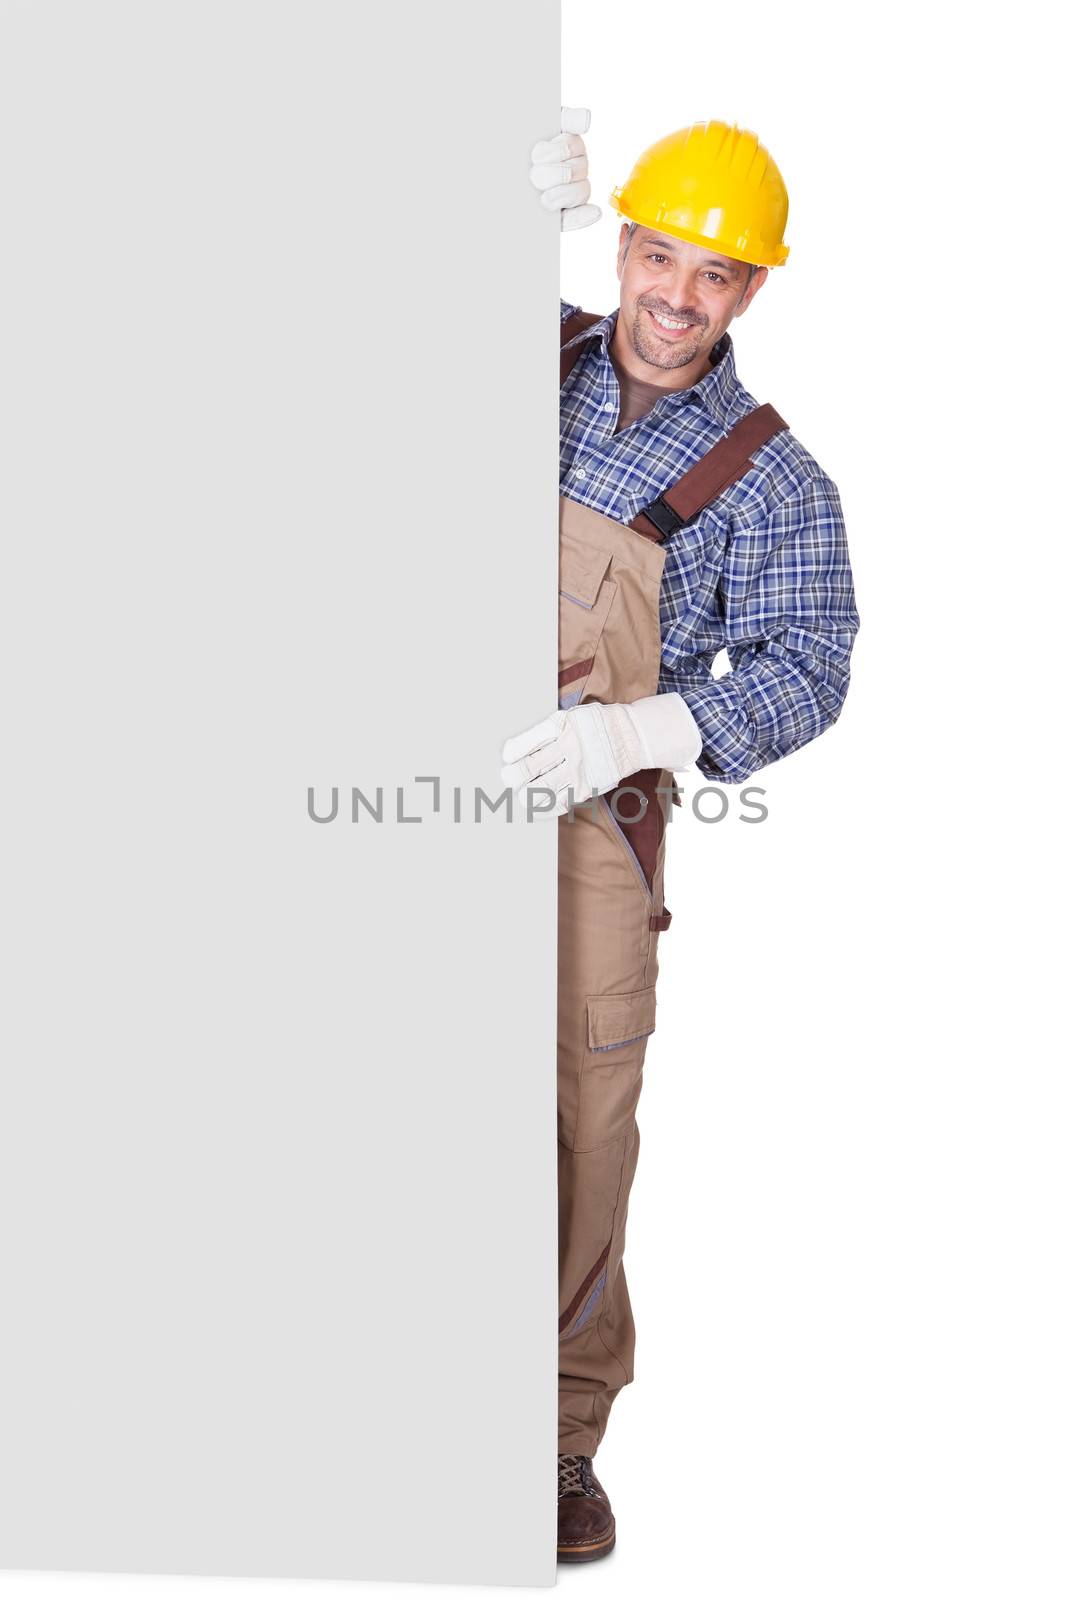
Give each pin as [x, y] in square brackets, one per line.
[579, 472]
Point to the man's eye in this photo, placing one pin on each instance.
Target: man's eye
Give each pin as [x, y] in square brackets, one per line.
[655, 257]
[717, 277]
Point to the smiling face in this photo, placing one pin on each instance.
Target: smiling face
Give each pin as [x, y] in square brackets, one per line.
[676, 301]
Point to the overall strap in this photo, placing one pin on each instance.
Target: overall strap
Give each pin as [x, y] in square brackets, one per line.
[724, 463]
[576, 323]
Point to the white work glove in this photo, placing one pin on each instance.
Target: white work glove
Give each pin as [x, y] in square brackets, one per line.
[558, 168]
[592, 748]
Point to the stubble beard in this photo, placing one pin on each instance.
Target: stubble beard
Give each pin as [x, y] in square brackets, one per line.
[658, 352]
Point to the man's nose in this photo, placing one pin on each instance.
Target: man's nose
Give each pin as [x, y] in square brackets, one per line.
[680, 296]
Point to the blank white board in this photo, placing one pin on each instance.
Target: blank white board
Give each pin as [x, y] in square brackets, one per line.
[278, 504]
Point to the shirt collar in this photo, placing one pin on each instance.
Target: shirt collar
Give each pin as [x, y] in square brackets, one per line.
[715, 391]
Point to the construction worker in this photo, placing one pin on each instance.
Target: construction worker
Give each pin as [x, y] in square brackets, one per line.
[691, 521]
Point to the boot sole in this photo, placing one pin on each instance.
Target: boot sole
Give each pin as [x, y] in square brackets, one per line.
[585, 1552]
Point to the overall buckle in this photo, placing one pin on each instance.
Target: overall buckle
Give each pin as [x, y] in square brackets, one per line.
[663, 517]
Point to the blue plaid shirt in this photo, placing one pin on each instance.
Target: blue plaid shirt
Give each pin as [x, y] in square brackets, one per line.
[763, 572]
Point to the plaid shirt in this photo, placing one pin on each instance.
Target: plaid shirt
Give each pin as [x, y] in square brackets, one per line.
[763, 572]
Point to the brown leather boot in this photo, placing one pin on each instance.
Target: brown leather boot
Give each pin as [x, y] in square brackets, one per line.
[586, 1526]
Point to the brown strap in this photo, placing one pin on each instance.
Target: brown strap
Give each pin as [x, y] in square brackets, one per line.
[724, 463]
[660, 921]
[580, 669]
[576, 323]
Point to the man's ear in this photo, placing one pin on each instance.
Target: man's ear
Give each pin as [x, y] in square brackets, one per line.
[619, 256]
[759, 278]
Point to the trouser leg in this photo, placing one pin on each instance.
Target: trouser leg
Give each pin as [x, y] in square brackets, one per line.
[597, 1337]
[606, 984]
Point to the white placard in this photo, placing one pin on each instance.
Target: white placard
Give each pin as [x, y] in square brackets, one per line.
[277, 1177]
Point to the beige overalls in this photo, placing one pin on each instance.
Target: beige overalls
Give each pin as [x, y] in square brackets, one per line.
[611, 913]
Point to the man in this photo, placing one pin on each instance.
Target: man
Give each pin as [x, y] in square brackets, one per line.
[691, 521]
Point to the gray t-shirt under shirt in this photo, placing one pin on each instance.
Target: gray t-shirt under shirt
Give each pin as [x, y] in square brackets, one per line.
[636, 397]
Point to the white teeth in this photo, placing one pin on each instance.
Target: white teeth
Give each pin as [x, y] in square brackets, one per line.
[667, 322]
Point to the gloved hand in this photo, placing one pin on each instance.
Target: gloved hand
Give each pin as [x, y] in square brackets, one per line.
[592, 748]
[558, 168]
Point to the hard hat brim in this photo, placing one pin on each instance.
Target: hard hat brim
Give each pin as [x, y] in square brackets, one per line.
[743, 249]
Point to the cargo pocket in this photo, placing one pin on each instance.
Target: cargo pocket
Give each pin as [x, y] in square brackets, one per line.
[585, 598]
[618, 1026]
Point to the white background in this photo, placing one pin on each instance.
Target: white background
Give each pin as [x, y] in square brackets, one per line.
[845, 1245]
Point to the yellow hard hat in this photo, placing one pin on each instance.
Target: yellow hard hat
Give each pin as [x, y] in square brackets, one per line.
[713, 184]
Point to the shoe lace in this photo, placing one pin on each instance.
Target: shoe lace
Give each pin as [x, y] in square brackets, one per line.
[574, 1476]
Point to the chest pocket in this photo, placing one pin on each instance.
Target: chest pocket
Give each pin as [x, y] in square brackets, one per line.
[586, 595]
